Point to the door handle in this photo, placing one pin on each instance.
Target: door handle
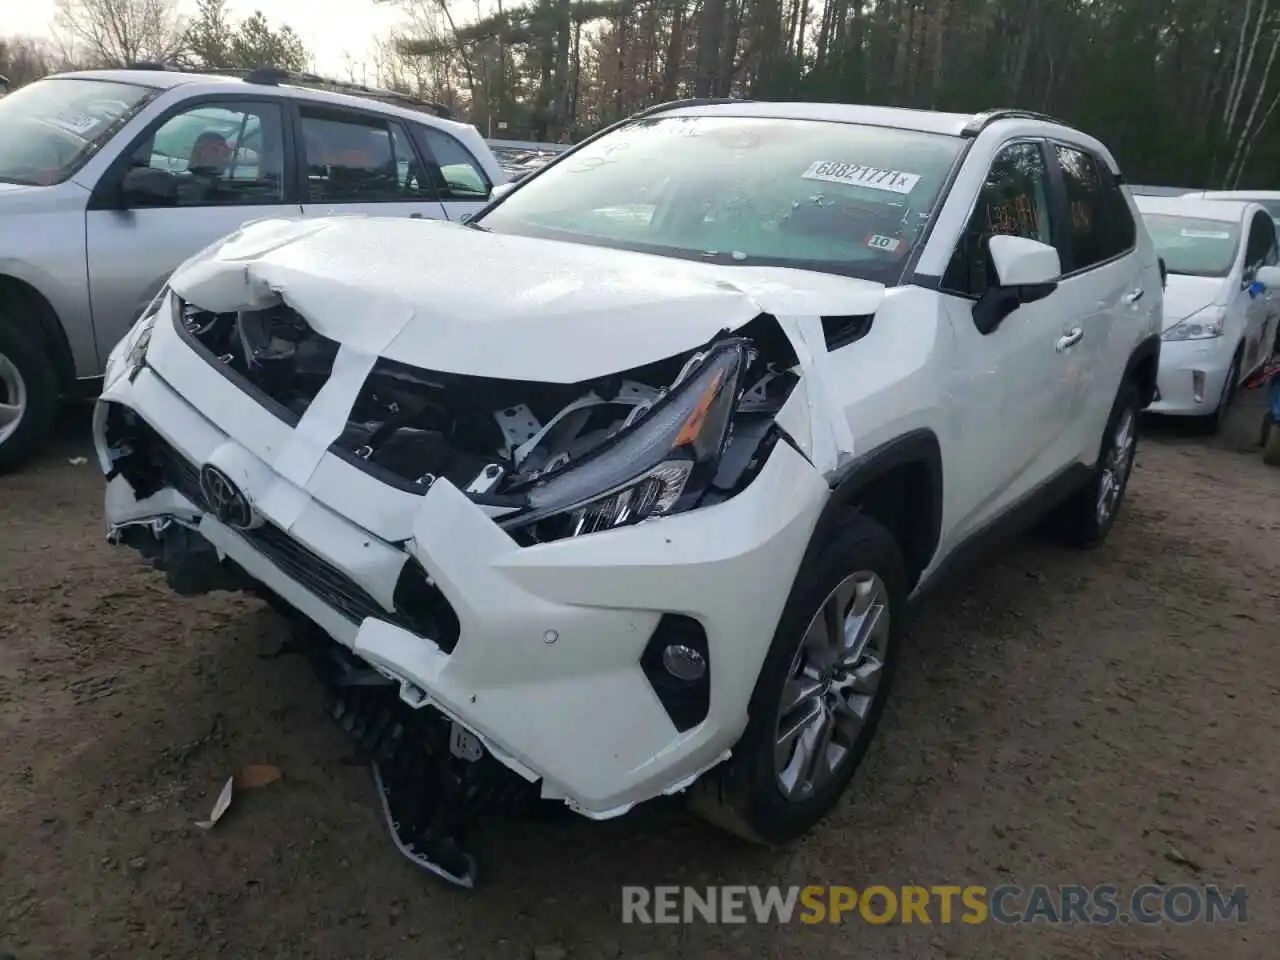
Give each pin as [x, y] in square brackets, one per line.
[415, 216]
[1069, 339]
[1133, 296]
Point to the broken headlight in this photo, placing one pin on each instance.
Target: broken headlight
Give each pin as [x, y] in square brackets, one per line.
[660, 465]
[131, 352]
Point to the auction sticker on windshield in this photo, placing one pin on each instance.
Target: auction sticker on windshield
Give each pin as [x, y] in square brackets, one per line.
[1206, 234]
[860, 175]
[878, 241]
[78, 124]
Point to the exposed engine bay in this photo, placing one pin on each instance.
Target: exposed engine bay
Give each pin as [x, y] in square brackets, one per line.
[516, 445]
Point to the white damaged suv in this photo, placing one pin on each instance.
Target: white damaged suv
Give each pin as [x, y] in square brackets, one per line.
[623, 488]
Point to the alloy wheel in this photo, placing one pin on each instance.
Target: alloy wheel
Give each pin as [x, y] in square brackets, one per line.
[832, 684]
[13, 398]
[1117, 462]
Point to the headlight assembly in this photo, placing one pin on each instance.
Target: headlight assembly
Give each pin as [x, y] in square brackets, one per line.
[1203, 325]
[132, 349]
[661, 465]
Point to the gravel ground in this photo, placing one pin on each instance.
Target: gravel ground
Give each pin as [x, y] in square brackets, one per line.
[1105, 717]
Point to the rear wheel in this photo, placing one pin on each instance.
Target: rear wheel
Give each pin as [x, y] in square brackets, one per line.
[820, 692]
[1086, 518]
[28, 395]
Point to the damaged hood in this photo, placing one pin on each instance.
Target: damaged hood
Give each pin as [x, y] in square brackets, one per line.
[452, 298]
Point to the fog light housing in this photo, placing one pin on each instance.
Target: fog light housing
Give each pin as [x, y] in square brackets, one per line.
[683, 662]
[677, 664]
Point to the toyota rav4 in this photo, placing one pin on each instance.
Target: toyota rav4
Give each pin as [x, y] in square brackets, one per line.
[623, 488]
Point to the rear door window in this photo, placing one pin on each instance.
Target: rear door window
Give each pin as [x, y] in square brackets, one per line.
[459, 175]
[350, 158]
[1089, 241]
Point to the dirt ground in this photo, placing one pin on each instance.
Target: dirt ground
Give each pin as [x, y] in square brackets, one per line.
[1106, 717]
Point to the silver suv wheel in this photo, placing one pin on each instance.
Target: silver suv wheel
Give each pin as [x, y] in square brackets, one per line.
[13, 398]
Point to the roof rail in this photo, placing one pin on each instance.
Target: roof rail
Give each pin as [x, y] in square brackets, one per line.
[273, 77]
[980, 121]
[689, 102]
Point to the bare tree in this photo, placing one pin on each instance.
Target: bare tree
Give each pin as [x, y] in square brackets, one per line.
[24, 59]
[115, 33]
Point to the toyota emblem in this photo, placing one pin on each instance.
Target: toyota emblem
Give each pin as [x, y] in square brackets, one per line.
[226, 501]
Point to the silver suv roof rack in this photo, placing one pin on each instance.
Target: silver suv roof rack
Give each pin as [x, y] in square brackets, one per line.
[274, 77]
[980, 121]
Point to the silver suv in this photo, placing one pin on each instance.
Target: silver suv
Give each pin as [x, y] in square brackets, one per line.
[109, 179]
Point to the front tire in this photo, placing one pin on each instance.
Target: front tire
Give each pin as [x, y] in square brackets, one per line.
[28, 395]
[820, 693]
[1214, 422]
[1086, 519]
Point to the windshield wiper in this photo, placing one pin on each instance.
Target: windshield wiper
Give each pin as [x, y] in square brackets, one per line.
[17, 182]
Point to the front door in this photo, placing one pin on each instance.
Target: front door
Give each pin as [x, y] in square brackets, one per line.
[220, 162]
[1010, 389]
[361, 163]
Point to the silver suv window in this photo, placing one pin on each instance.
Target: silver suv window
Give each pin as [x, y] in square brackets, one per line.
[352, 158]
[223, 153]
[50, 128]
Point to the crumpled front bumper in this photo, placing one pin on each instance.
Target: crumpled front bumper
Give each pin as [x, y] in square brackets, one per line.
[547, 668]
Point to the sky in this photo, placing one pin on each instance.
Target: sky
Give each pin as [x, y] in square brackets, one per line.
[340, 34]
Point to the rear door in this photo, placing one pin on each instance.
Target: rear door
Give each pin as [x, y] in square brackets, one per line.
[353, 162]
[459, 177]
[1103, 285]
[227, 158]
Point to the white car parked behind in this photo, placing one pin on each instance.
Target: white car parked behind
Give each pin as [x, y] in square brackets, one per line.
[1269, 199]
[1220, 305]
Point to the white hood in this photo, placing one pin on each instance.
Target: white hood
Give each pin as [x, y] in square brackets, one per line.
[447, 297]
[1186, 295]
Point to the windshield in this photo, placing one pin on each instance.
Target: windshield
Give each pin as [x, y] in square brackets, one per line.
[835, 197]
[48, 129]
[1194, 247]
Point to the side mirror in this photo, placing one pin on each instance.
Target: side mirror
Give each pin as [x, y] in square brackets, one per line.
[501, 190]
[1164, 274]
[1268, 277]
[147, 187]
[1021, 262]
[1026, 271]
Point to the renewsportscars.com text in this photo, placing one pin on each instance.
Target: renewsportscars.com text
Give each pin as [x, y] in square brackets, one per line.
[943, 904]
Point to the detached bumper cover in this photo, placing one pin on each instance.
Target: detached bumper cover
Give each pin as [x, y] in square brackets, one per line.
[546, 670]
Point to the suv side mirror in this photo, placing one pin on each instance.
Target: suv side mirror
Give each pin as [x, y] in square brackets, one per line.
[1026, 271]
[147, 187]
